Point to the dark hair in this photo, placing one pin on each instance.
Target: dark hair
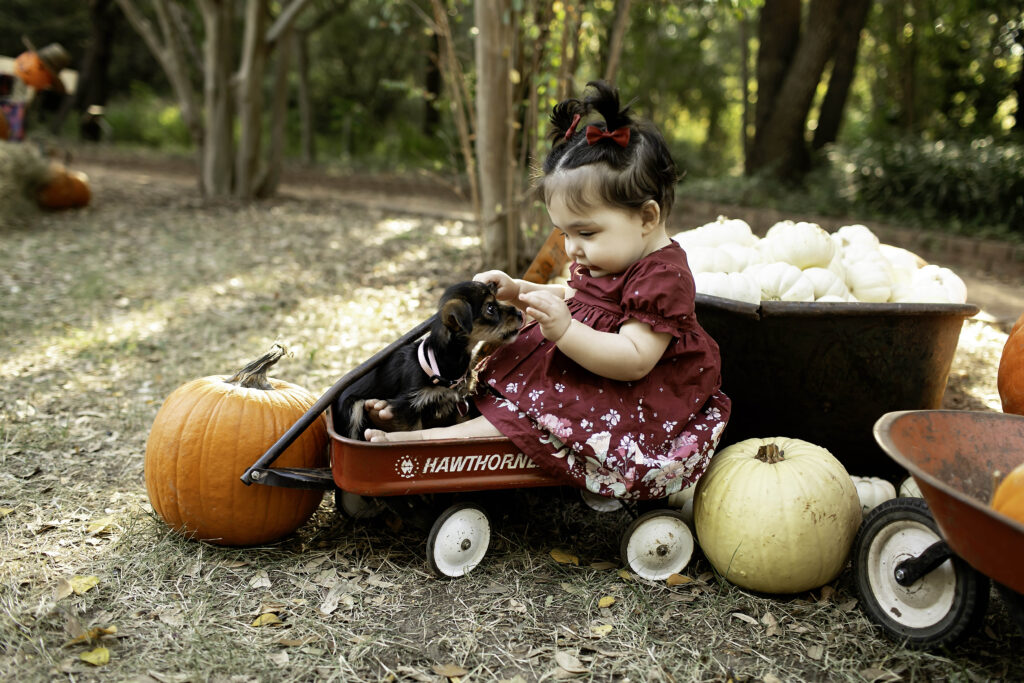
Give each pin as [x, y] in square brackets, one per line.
[629, 176]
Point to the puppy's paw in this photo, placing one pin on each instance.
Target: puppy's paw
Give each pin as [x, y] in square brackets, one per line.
[378, 411]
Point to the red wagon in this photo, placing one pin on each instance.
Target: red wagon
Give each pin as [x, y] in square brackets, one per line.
[840, 367]
[924, 566]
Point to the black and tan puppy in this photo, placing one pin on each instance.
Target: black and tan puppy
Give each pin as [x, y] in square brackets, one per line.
[427, 383]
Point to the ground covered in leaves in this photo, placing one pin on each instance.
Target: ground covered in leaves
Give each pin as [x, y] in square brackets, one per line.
[106, 310]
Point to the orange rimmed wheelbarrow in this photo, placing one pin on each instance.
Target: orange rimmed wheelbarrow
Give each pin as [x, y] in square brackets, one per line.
[923, 567]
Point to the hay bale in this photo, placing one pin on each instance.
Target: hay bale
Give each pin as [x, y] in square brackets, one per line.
[23, 170]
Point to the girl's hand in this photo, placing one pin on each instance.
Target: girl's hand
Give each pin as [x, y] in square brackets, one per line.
[549, 311]
[508, 288]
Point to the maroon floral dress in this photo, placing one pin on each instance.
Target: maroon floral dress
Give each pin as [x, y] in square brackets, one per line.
[644, 439]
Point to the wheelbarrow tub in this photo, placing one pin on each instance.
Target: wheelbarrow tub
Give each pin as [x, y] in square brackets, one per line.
[825, 372]
[954, 457]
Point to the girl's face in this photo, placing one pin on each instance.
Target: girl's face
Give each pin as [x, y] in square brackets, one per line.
[605, 239]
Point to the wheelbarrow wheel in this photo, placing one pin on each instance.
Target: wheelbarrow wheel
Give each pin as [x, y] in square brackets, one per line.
[458, 540]
[657, 544]
[937, 609]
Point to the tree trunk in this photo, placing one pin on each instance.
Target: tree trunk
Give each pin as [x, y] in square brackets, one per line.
[249, 84]
[615, 39]
[779, 141]
[307, 139]
[492, 117]
[271, 177]
[745, 84]
[92, 88]
[432, 88]
[779, 35]
[216, 173]
[852, 18]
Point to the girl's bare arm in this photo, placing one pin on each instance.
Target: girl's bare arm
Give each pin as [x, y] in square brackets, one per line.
[626, 355]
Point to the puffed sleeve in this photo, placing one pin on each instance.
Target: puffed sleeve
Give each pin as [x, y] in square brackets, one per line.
[661, 295]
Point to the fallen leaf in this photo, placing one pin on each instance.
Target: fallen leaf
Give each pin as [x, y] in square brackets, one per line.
[875, 674]
[744, 617]
[603, 564]
[849, 605]
[827, 593]
[93, 634]
[76, 584]
[815, 652]
[100, 525]
[569, 662]
[601, 630]
[260, 580]
[606, 601]
[677, 579]
[5, 511]
[267, 619]
[62, 590]
[624, 575]
[97, 657]
[449, 670]
[564, 557]
[280, 658]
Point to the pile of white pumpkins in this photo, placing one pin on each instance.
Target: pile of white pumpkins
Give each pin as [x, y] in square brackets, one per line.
[800, 261]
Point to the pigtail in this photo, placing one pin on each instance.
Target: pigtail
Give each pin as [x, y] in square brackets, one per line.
[605, 101]
[565, 117]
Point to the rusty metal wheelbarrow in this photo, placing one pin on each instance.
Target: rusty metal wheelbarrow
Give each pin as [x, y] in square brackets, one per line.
[923, 567]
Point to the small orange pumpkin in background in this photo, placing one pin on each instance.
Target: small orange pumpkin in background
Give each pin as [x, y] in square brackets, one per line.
[1009, 495]
[208, 432]
[64, 189]
[1010, 380]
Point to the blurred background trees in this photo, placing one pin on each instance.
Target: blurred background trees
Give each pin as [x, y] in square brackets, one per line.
[904, 108]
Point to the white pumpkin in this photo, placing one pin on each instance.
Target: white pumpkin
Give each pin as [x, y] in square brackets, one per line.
[831, 299]
[781, 282]
[744, 256]
[711, 260]
[910, 489]
[737, 286]
[776, 515]
[722, 231]
[873, 491]
[902, 263]
[804, 245]
[683, 500]
[869, 279]
[826, 283]
[856, 236]
[950, 282]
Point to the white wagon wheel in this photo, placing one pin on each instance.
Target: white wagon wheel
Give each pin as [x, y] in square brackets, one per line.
[657, 544]
[458, 540]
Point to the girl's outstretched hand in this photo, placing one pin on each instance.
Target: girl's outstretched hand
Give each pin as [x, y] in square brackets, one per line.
[508, 287]
[549, 311]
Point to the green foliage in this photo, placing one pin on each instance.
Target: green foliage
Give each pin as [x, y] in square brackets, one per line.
[979, 183]
[148, 119]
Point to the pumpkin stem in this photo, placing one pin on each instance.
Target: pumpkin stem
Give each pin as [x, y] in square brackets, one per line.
[254, 375]
[770, 453]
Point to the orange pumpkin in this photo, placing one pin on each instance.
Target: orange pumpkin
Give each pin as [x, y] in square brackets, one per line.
[208, 432]
[65, 189]
[1010, 379]
[1009, 496]
[29, 67]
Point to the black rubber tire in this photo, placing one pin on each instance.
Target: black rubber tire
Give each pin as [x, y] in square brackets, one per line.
[970, 588]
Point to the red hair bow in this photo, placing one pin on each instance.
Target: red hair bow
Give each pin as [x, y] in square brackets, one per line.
[620, 135]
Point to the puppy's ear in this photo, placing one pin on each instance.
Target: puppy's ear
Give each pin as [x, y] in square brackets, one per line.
[457, 315]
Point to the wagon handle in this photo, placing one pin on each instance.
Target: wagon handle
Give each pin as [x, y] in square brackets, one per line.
[324, 402]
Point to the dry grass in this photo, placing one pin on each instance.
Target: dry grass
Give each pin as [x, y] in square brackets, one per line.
[108, 309]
